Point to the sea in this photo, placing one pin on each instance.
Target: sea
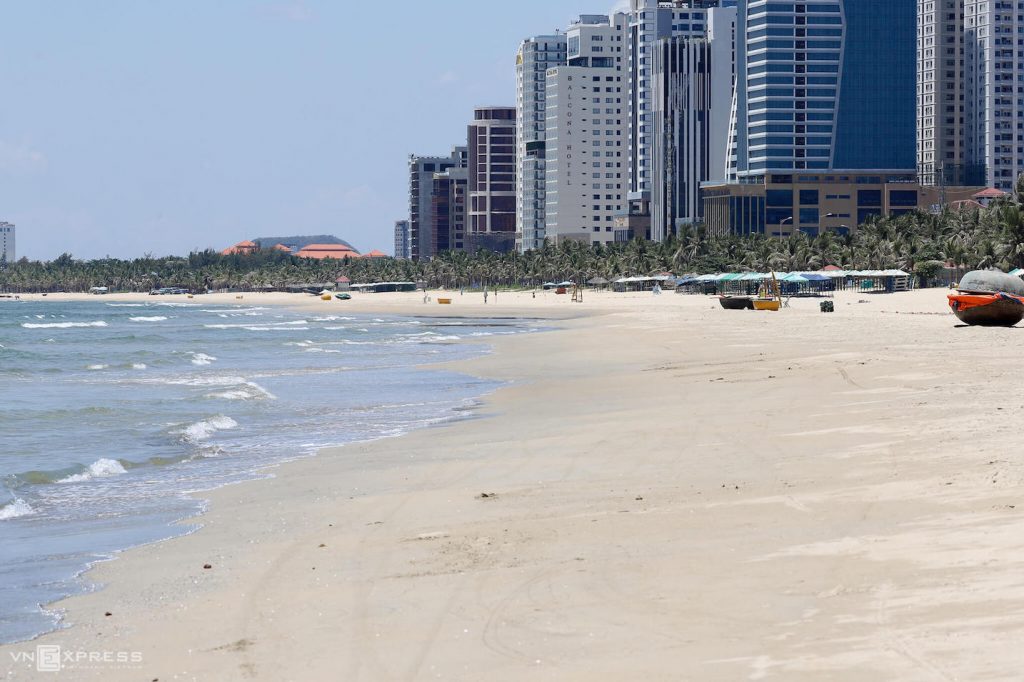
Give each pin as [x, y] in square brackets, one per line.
[114, 415]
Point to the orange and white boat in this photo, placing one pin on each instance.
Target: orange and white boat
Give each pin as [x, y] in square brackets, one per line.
[989, 298]
[987, 310]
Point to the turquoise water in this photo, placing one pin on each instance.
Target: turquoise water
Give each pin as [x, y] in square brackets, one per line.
[110, 414]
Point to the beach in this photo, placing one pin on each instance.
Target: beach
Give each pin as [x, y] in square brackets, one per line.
[662, 490]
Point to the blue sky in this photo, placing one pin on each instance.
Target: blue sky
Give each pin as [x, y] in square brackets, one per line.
[164, 126]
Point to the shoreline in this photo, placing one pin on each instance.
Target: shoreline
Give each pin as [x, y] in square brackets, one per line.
[672, 490]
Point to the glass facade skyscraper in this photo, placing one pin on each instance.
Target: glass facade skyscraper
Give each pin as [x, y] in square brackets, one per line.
[823, 85]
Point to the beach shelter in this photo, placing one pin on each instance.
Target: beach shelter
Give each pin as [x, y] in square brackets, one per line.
[597, 282]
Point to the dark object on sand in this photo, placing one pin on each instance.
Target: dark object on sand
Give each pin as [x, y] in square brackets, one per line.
[987, 310]
[989, 298]
[827, 307]
[736, 302]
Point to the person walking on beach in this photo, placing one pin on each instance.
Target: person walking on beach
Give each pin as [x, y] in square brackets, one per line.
[485, 295]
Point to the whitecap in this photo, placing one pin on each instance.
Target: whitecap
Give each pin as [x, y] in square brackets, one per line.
[127, 305]
[101, 468]
[206, 428]
[18, 507]
[250, 390]
[202, 359]
[96, 368]
[248, 325]
[62, 325]
[138, 365]
[155, 318]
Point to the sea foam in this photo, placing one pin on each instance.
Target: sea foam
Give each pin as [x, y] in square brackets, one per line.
[154, 318]
[18, 507]
[250, 390]
[62, 325]
[206, 428]
[101, 468]
[202, 359]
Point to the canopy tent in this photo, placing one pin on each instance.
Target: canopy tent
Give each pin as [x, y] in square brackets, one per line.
[597, 280]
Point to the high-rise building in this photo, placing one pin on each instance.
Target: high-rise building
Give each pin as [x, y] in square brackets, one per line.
[941, 108]
[492, 180]
[649, 22]
[969, 110]
[691, 99]
[7, 251]
[586, 151]
[421, 183]
[822, 132]
[825, 86]
[536, 55]
[402, 245]
[994, 108]
[449, 209]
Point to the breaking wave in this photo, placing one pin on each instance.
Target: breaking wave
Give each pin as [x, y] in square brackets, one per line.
[62, 325]
[101, 468]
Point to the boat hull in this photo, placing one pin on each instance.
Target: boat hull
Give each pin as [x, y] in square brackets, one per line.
[987, 310]
[736, 302]
[767, 304]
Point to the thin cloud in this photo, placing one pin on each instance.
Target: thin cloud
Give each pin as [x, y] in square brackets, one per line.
[290, 10]
[21, 159]
[447, 78]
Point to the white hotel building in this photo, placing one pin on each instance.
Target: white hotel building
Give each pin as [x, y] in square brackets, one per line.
[7, 252]
[970, 109]
[536, 56]
[649, 22]
[587, 153]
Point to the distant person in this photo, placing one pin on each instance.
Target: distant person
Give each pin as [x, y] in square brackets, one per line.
[657, 290]
[485, 296]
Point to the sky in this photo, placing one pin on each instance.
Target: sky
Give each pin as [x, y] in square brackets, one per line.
[162, 127]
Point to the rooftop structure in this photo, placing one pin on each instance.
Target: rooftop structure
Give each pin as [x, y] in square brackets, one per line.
[243, 248]
[324, 251]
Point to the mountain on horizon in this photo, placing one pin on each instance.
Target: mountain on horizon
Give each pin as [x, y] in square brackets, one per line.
[298, 243]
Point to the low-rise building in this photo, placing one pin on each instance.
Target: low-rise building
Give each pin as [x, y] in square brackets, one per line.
[778, 204]
[324, 251]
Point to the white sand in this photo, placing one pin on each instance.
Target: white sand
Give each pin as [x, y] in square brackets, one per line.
[681, 493]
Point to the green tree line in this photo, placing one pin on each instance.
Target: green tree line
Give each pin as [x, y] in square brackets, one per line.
[920, 243]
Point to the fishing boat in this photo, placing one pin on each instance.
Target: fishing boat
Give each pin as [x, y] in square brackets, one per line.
[736, 302]
[988, 310]
[988, 298]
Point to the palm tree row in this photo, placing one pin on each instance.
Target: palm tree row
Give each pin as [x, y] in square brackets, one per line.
[920, 243]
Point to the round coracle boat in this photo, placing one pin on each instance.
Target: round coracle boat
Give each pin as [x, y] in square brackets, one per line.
[989, 298]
